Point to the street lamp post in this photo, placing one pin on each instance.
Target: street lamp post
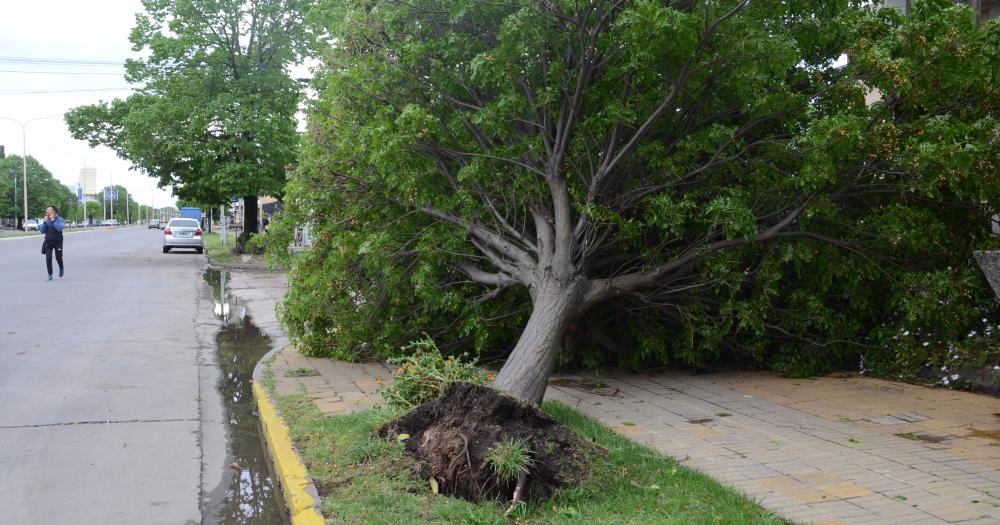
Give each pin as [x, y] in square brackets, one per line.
[13, 172]
[24, 155]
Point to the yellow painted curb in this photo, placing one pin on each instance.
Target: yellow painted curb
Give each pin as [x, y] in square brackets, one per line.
[292, 475]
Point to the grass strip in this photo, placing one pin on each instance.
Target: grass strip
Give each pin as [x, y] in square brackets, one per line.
[219, 253]
[366, 480]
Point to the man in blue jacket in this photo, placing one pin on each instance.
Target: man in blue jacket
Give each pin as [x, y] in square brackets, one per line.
[53, 230]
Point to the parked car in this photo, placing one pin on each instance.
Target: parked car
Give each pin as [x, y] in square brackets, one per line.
[154, 223]
[183, 233]
[109, 222]
[30, 224]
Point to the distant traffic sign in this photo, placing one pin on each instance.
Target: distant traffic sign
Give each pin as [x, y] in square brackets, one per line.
[111, 195]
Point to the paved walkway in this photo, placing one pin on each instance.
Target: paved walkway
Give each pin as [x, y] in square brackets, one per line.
[832, 450]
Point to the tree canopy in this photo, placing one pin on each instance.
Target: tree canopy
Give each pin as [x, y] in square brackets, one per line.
[214, 111]
[639, 182]
[43, 190]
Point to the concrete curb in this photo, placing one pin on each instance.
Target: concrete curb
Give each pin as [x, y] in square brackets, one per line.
[297, 489]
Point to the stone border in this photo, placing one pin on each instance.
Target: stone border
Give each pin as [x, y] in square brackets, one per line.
[301, 498]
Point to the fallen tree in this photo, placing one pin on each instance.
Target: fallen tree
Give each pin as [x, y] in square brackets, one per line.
[661, 179]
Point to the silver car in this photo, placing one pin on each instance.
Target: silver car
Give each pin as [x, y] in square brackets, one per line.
[183, 233]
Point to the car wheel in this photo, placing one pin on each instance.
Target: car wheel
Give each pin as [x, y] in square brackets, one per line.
[166, 249]
[201, 250]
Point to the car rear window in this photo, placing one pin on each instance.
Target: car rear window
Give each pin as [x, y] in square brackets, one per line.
[183, 223]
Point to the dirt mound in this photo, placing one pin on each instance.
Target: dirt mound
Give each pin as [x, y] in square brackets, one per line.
[451, 435]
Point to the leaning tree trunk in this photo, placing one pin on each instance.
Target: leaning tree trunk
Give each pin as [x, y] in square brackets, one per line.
[526, 373]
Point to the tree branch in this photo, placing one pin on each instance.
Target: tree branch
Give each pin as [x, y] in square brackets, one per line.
[602, 289]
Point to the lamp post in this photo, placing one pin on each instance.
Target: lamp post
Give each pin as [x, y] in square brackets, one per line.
[113, 192]
[24, 154]
[13, 172]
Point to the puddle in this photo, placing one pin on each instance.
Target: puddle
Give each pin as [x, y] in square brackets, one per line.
[250, 495]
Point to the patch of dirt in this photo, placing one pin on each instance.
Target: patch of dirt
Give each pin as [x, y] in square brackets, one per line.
[589, 386]
[984, 434]
[451, 435]
[922, 437]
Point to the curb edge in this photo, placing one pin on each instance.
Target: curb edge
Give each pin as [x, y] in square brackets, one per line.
[295, 483]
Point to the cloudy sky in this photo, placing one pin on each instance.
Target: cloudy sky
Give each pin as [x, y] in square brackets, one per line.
[56, 55]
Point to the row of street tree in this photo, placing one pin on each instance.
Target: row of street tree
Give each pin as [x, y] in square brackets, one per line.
[45, 190]
[794, 184]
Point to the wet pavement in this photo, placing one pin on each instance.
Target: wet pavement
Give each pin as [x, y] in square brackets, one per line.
[109, 411]
[248, 494]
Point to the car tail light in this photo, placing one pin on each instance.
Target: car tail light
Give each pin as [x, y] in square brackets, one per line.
[197, 233]
[167, 231]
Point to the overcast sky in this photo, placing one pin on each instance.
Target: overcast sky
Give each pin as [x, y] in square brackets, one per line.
[47, 53]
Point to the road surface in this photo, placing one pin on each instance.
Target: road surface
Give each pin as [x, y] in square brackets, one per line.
[108, 408]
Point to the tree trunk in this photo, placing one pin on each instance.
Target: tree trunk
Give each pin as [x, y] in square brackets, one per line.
[250, 214]
[525, 375]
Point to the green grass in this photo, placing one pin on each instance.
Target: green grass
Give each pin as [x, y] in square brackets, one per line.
[367, 480]
[217, 252]
[8, 233]
[221, 255]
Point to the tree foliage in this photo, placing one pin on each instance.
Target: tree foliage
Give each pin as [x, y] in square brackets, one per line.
[214, 113]
[638, 182]
[43, 190]
[124, 208]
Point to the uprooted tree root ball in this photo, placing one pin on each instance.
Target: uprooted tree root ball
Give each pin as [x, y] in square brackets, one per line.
[452, 436]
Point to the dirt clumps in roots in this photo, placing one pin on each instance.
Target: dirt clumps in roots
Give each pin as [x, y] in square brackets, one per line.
[451, 436]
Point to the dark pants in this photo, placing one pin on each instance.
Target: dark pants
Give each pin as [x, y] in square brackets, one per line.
[53, 246]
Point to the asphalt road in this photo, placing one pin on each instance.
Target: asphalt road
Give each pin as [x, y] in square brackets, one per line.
[108, 408]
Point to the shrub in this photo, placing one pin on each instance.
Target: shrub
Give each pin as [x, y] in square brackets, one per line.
[424, 373]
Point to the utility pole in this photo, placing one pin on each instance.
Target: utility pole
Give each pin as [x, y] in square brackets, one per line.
[13, 172]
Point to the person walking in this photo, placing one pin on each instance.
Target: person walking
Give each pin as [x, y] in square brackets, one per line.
[53, 230]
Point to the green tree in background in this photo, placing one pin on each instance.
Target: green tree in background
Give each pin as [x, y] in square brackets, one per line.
[215, 114]
[43, 190]
[641, 182]
[94, 212]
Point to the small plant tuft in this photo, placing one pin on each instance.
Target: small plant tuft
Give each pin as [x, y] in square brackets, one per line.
[424, 374]
[510, 458]
[302, 372]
